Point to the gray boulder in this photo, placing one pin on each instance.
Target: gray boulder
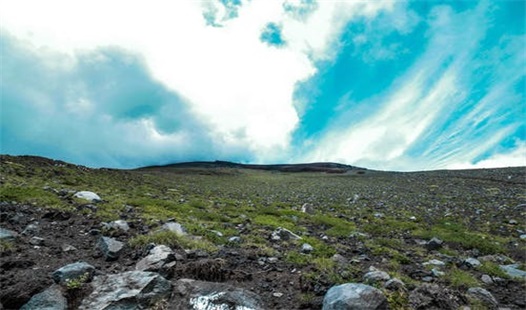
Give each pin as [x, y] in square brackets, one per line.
[374, 275]
[127, 291]
[87, 195]
[50, 299]
[354, 296]
[73, 271]
[513, 271]
[111, 248]
[200, 295]
[117, 225]
[482, 295]
[160, 257]
[7, 235]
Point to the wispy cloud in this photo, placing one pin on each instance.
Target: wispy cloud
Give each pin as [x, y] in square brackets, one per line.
[437, 114]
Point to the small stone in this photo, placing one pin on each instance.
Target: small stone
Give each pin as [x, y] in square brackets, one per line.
[484, 296]
[67, 248]
[339, 259]
[31, 229]
[434, 244]
[437, 273]
[283, 234]
[486, 279]
[376, 276]
[36, 241]
[513, 222]
[174, 227]
[306, 248]
[413, 218]
[73, 271]
[111, 248]
[118, 225]
[277, 295]
[234, 239]
[394, 284]
[7, 235]
[427, 279]
[379, 215]
[87, 195]
[217, 233]
[354, 296]
[522, 237]
[272, 260]
[308, 208]
[434, 262]
[472, 262]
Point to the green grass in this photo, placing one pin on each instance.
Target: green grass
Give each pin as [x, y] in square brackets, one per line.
[493, 270]
[31, 195]
[461, 279]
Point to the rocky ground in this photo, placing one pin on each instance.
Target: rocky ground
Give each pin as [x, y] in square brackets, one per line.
[259, 240]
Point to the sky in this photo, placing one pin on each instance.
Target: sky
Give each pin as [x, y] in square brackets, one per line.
[389, 85]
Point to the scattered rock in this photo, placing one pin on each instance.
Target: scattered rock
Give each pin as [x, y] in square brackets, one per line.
[308, 208]
[73, 271]
[354, 296]
[36, 241]
[50, 299]
[283, 234]
[234, 239]
[432, 296]
[128, 290]
[486, 279]
[192, 294]
[7, 235]
[513, 222]
[339, 259]
[111, 248]
[306, 248]
[277, 295]
[375, 275]
[413, 218]
[483, 296]
[31, 229]
[67, 248]
[472, 262]
[434, 262]
[522, 237]
[513, 271]
[159, 258]
[118, 225]
[87, 195]
[395, 284]
[174, 227]
[434, 244]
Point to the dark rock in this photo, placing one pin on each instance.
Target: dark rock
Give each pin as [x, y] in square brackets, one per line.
[192, 294]
[159, 258]
[434, 244]
[50, 299]
[395, 284]
[434, 297]
[73, 271]
[483, 296]
[110, 247]
[354, 296]
[31, 229]
[127, 291]
[36, 241]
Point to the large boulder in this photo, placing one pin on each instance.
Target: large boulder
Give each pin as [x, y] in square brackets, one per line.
[201, 295]
[483, 296]
[127, 291]
[513, 271]
[50, 299]
[354, 296]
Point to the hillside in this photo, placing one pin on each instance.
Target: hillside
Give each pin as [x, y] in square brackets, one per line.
[273, 236]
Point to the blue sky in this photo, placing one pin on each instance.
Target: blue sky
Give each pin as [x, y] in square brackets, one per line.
[394, 85]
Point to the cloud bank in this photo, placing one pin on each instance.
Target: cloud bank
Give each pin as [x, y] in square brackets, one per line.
[385, 85]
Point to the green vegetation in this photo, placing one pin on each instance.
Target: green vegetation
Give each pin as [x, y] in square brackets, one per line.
[174, 240]
[76, 283]
[6, 245]
[461, 279]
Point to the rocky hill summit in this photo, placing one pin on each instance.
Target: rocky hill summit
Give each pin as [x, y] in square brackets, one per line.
[231, 236]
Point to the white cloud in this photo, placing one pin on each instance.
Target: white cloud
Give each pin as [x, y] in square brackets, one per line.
[241, 87]
[515, 158]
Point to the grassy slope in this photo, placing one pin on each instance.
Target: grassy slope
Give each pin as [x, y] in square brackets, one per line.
[467, 209]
